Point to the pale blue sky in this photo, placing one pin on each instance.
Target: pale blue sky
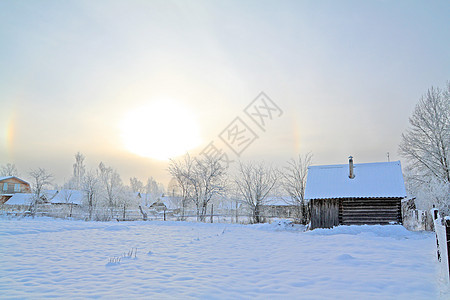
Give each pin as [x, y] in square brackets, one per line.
[347, 75]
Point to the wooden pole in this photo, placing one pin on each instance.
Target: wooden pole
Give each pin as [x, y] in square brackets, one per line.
[237, 221]
[212, 212]
[164, 213]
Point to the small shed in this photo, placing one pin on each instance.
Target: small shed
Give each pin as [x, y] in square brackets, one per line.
[355, 194]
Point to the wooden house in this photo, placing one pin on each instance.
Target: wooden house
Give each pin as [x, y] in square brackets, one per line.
[11, 185]
[355, 194]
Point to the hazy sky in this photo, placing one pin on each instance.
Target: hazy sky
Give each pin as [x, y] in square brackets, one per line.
[114, 78]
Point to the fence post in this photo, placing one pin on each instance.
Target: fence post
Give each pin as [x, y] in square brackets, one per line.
[447, 235]
[442, 230]
[435, 214]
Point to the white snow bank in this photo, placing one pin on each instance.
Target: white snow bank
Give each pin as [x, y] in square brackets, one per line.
[389, 231]
[280, 225]
[44, 258]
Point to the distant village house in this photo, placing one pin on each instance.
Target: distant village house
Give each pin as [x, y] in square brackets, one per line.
[11, 185]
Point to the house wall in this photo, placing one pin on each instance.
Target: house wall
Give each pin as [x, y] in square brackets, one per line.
[357, 211]
[324, 213]
[24, 187]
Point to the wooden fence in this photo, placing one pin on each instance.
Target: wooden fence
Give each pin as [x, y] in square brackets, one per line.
[442, 230]
[132, 214]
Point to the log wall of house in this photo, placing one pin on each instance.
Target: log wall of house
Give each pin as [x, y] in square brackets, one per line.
[324, 213]
[24, 187]
[355, 211]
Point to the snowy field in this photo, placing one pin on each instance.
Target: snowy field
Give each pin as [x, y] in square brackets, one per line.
[46, 258]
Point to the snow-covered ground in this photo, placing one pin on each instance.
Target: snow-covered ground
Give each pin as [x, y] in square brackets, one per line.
[44, 258]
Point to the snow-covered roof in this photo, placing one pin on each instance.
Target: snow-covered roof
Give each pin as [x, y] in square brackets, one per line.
[20, 199]
[48, 195]
[169, 202]
[67, 196]
[372, 180]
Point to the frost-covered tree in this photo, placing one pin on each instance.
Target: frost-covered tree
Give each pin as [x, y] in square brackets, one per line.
[153, 190]
[111, 184]
[126, 200]
[9, 170]
[207, 179]
[79, 170]
[136, 185]
[90, 187]
[255, 182]
[182, 171]
[294, 183]
[40, 179]
[199, 180]
[426, 145]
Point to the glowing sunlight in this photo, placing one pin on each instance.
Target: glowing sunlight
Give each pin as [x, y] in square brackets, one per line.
[160, 130]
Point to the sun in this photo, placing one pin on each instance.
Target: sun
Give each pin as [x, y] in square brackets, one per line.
[160, 130]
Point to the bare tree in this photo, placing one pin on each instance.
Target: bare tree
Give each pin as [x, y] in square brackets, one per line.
[182, 171]
[199, 180]
[426, 145]
[208, 179]
[90, 187]
[79, 169]
[9, 170]
[125, 199]
[254, 182]
[294, 183]
[111, 183]
[41, 179]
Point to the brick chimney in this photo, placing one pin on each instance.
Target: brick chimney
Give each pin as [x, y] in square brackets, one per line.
[351, 173]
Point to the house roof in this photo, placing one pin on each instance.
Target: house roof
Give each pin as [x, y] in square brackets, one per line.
[20, 199]
[67, 196]
[9, 177]
[372, 180]
[169, 202]
[48, 195]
